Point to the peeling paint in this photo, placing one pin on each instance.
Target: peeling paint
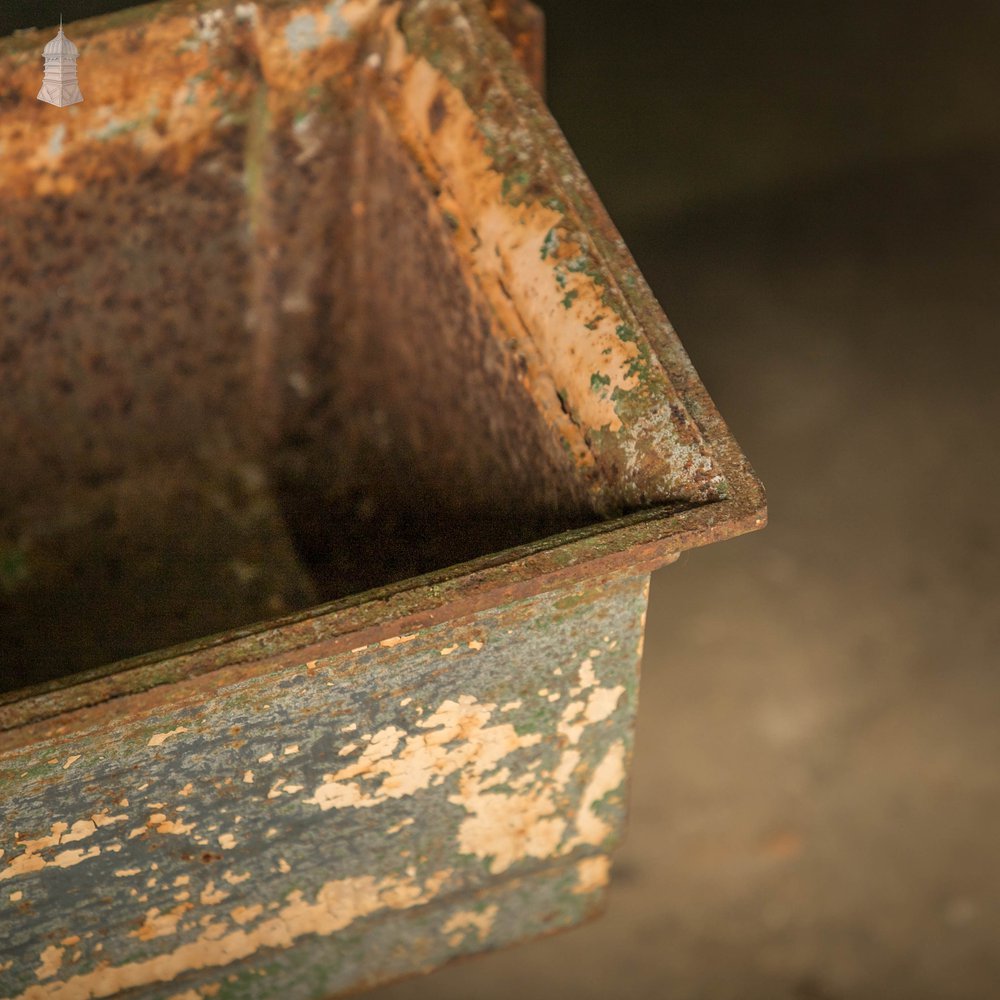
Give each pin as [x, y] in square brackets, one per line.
[337, 905]
[593, 874]
[51, 962]
[425, 756]
[160, 738]
[301, 33]
[397, 640]
[158, 924]
[463, 922]
[607, 777]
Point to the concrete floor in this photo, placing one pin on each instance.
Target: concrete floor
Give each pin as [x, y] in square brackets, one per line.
[816, 794]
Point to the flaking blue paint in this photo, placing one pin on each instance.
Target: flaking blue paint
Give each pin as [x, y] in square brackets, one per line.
[337, 27]
[56, 140]
[301, 33]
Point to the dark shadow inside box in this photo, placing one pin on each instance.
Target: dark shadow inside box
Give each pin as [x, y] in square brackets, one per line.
[235, 391]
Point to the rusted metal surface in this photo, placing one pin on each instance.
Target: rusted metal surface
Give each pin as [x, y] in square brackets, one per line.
[309, 311]
[523, 25]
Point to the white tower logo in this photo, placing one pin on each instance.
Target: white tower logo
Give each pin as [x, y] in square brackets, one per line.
[60, 86]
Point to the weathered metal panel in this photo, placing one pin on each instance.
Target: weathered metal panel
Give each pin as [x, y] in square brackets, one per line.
[333, 260]
[437, 770]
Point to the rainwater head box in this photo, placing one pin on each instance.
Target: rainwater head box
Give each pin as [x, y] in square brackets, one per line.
[340, 435]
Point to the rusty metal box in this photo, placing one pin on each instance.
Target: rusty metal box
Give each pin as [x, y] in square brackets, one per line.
[340, 435]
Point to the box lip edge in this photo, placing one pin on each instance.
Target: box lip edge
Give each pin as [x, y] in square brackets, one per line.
[635, 544]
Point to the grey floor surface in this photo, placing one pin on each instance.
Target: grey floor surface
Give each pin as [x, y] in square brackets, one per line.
[815, 808]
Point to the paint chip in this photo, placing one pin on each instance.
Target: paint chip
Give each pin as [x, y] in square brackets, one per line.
[51, 961]
[592, 874]
[399, 826]
[71, 760]
[160, 738]
[397, 640]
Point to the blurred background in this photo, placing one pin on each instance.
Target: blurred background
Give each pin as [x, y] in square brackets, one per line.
[812, 192]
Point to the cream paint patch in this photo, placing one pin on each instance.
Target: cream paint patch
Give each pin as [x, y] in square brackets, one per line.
[337, 905]
[246, 914]
[31, 860]
[160, 823]
[607, 776]
[160, 738]
[592, 874]
[158, 924]
[80, 830]
[457, 737]
[600, 704]
[525, 819]
[210, 895]
[507, 828]
[397, 640]
[463, 922]
[51, 962]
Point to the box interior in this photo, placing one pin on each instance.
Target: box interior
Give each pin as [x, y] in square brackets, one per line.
[238, 389]
[289, 312]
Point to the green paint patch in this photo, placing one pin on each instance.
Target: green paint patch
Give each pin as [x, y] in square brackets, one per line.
[549, 245]
[569, 297]
[599, 382]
